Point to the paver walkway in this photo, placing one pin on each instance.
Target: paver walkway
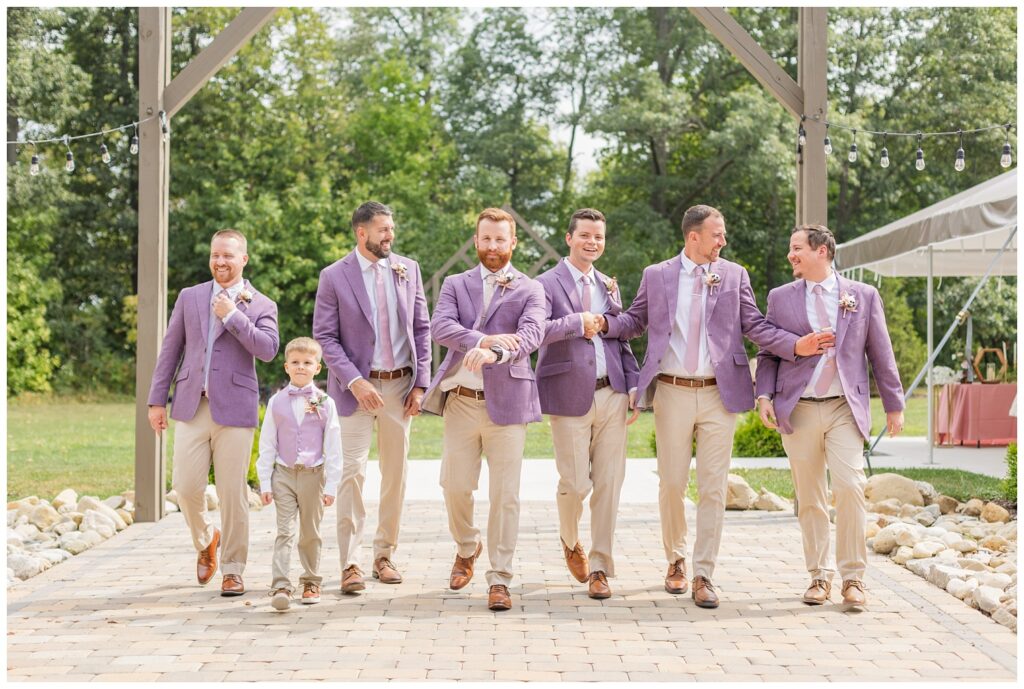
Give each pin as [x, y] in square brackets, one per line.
[130, 609]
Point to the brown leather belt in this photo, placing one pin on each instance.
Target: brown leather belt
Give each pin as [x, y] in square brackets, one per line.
[687, 382]
[820, 399]
[390, 375]
[601, 383]
[468, 392]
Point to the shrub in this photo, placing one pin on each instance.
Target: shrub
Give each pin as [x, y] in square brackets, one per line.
[752, 439]
[1010, 482]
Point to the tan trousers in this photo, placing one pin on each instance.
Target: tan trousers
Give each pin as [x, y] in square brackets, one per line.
[393, 450]
[825, 436]
[680, 415]
[590, 454]
[197, 442]
[298, 492]
[468, 433]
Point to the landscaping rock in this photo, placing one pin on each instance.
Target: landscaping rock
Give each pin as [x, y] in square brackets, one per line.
[740, 495]
[29, 532]
[948, 555]
[925, 518]
[927, 549]
[44, 517]
[92, 537]
[1005, 618]
[947, 505]
[994, 513]
[114, 502]
[965, 545]
[941, 574]
[885, 540]
[768, 501]
[1007, 568]
[12, 517]
[993, 579]
[987, 598]
[911, 536]
[255, 503]
[26, 565]
[90, 503]
[921, 567]
[212, 501]
[908, 510]
[127, 516]
[74, 543]
[98, 522]
[951, 537]
[65, 497]
[65, 527]
[54, 555]
[889, 507]
[1008, 531]
[927, 491]
[14, 538]
[884, 486]
[994, 542]
[971, 564]
[961, 588]
[973, 507]
[903, 555]
[76, 517]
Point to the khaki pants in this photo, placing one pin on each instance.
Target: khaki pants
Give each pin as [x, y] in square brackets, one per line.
[680, 415]
[590, 454]
[393, 449]
[468, 433]
[197, 442]
[298, 492]
[825, 436]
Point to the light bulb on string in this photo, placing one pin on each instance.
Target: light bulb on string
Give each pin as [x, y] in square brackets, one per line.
[884, 160]
[165, 130]
[960, 163]
[1006, 160]
[828, 142]
[134, 148]
[919, 164]
[853, 148]
[104, 154]
[33, 168]
[69, 158]
[802, 133]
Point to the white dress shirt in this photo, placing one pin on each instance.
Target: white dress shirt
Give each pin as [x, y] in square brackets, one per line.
[233, 292]
[268, 455]
[598, 304]
[463, 376]
[672, 363]
[830, 295]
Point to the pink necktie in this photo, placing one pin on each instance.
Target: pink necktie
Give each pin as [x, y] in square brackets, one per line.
[585, 280]
[383, 321]
[828, 372]
[693, 334]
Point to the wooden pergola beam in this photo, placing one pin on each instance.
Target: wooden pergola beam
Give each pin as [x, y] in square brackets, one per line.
[752, 56]
[812, 73]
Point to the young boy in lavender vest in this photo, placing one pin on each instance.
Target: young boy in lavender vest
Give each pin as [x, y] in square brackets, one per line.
[299, 468]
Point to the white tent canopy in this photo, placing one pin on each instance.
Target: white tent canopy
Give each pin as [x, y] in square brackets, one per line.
[965, 232]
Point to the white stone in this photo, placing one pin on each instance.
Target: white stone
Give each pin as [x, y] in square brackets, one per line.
[993, 579]
[14, 538]
[886, 539]
[128, 517]
[951, 537]
[927, 491]
[965, 545]
[973, 507]
[1005, 618]
[941, 574]
[921, 567]
[740, 495]
[911, 536]
[92, 537]
[971, 564]
[871, 528]
[927, 549]
[925, 518]
[26, 565]
[65, 497]
[74, 543]
[114, 502]
[903, 555]
[29, 532]
[948, 555]
[255, 503]
[76, 517]
[987, 598]
[885, 486]
[90, 503]
[212, 501]
[1007, 568]
[54, 555]
[909, 510]
[768, 501]
[994, 513]
[1009, 531]
[98, 522]
[934, 532]
[12, 517]
[889, 507]
[961, 588]
[994, 542]
[44, 517]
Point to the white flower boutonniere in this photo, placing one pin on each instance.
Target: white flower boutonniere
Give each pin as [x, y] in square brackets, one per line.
[400, 271]
[712, 280]
[505, 281]
[245, 295]
[848, 303]
[315, 403]
[612, 285]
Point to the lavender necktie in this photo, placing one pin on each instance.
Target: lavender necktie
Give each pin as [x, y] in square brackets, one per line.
[585, 281]
[828, 372]
[693, 333]
[387, 353]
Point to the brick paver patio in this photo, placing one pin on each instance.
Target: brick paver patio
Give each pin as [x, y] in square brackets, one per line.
[130, 610]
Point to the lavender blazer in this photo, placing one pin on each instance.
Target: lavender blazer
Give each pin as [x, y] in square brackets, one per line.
[730, 314]
[343, 325]
[234, 389]
[861, 336]
[566, 365]
[509, 387]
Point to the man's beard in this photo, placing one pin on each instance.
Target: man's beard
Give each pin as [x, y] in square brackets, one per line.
[494, 261]
[377, 250]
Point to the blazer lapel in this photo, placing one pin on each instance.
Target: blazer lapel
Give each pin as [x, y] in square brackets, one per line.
[713, 293]
[798, 298]
[614, 300]
[670, 283]
[203, 298]
[475, 288]
[842, 322]
[500, 293]
[354, 275]
[569, 285]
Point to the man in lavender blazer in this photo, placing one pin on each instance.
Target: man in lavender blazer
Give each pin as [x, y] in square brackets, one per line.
[821, 405]
[371, 319]
[216, 330]
[697, 308]
[586, 383]
[490, 318]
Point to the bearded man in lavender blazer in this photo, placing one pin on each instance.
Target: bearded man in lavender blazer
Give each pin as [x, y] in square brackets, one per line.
[371, 319]
[490, 318]
[216, 330]
[698, 308]
[820, 403]
[586, 383]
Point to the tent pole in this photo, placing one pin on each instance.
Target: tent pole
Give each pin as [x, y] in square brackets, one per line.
[931, 346]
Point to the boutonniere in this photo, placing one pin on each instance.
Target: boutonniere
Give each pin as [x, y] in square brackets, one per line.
[612, 285]
[712, 280]
[505, 281]
[315, 403]
[245, 295]
[400, 271]
[848, 303]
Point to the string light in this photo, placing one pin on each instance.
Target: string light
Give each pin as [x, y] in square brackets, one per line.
[134, 148]
[802, 133]
[1006, 160]
[165, 131]
[69, 157]
[853, 148]
[33, 168]
[104, 154]
[884, 160]
[960, 163]
[828, 141]
[69, 165]
[919, 163]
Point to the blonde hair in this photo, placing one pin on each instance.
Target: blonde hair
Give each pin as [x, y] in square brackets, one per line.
[304, 344]
[231, 233]
[496, 215]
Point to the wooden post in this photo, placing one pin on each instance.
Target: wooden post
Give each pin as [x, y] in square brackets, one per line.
[812, 74]
[154, 75]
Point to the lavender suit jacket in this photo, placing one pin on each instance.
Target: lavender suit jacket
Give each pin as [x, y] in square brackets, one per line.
[233, 387]
[509, 387]
[861, 336]
[566, 365]
[343, 325]
[730, 314]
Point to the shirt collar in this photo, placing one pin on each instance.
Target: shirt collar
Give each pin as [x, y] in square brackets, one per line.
[233, 290]
[309, 388]
[577, 274]
[365, 264]
[689, 266]
[828, 284]
[484, 272]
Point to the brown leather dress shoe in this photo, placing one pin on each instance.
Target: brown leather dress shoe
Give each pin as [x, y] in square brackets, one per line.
[352, 580]
[310, 593]
[384, 570]
[232, 585]
[675, 580]
[206, 564]
[704, 593]
[854, 597]
[818, 593]
[462, 570]
[599, 588]
[576, 560]
[498, 598]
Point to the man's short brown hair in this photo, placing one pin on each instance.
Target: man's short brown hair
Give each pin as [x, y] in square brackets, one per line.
[304, 344]
[496, 215]
[585, 214]
[818, 236]
[231, 233]
[367, 212]
[695, 216]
